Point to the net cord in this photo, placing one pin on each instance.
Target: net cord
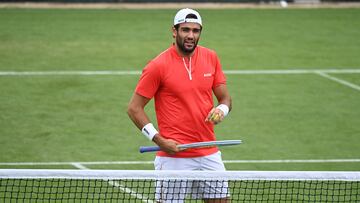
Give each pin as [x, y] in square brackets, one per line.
[175, 175]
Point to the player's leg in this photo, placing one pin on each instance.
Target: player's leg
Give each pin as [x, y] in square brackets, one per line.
[214, 191]
[169, 191]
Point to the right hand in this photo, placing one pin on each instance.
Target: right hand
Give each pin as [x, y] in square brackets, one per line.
[167, 145]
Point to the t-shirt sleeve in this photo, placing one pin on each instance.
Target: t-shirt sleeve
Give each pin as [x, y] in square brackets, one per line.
[219, 77]
[149, 81]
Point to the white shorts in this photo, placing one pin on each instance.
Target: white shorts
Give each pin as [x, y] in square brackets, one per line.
[176, 192]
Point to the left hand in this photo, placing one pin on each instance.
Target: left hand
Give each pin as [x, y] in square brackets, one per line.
[215, 116]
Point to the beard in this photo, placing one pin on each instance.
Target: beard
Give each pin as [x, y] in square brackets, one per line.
[181, 44]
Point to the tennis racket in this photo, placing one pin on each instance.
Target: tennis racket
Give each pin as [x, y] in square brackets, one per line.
[193, 145]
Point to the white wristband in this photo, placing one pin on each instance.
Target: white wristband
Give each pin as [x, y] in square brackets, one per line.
[149, 131]
[224, 109]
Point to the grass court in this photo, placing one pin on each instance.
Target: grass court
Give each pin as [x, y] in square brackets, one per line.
[294, 76]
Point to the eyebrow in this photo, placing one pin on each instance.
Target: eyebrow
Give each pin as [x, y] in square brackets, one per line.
[189, 28]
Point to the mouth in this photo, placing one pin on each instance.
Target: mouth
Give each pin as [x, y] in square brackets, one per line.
[189, 44]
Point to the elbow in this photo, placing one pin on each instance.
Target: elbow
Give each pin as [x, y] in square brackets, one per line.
[131, 110]
[134, 110]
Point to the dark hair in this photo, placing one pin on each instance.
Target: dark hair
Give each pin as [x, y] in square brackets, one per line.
[177, 27]
[191, 16]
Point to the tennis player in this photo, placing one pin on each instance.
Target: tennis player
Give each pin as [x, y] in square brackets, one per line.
[182, 80]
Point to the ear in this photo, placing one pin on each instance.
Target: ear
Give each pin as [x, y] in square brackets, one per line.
[174, 32]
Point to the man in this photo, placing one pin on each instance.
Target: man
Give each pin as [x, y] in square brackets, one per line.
[182, 80]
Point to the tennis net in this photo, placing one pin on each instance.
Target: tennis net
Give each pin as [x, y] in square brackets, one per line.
[23, 185]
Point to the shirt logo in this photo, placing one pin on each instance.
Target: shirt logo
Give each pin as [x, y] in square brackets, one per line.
[207, 75]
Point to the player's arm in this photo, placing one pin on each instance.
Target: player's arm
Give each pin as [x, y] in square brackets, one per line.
[217, 114]
[137, 114]
[136, 110]
[222, 95]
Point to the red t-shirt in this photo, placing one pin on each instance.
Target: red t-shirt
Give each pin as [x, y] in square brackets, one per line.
[182, 103]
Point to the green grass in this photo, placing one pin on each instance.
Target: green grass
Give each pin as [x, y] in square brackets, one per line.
[83, 118]
[126, 39]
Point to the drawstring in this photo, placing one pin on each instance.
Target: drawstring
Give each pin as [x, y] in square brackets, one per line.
[188, 69]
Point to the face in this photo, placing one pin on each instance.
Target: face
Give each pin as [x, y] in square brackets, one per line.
[187, 37]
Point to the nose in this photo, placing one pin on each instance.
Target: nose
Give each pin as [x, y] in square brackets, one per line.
[190, 35]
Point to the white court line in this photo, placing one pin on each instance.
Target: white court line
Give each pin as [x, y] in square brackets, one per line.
[292, 71]
[80, 166]
[114, 183]
[321, 72]
[151, 162]
[79, 162]
[343, 82]
[296, 161]
[54, 73]
[230, 72]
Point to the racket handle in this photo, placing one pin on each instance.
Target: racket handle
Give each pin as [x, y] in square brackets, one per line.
[149, 149]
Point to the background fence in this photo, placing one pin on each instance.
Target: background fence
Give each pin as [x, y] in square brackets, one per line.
[178, 1]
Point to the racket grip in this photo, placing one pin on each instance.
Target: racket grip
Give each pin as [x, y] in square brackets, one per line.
[149, 149]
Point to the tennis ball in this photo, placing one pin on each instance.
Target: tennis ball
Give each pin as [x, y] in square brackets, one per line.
[215, 117]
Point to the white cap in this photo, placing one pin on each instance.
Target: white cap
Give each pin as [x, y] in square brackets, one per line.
[180, 16]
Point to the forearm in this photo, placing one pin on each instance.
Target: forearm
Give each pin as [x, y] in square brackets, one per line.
[217, 114]
[136, 110]
[137, 114]
[223, 96]
[227, 101]
[141, 120]
[138, 117]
